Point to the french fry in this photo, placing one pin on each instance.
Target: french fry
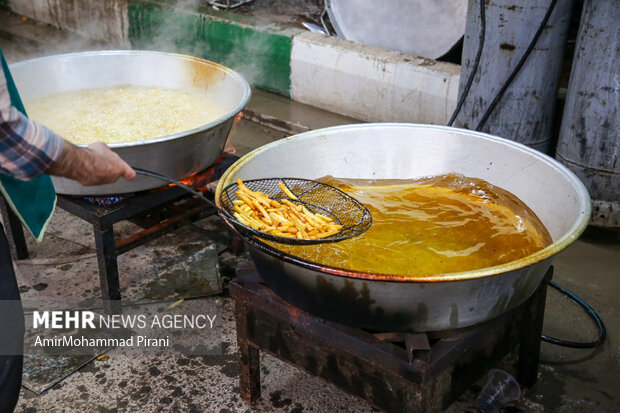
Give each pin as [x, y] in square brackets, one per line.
[286, 190]
[279, 218]
[326, 234]
[242, 186]
[254, 223]
[262, 211]
[285, 218]
[246, 200]
[240, 219]
[261, 199]
[290, 204]
[311, 219]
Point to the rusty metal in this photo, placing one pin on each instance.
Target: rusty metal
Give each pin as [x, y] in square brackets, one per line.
[418, 347]
[589, 144]
[525, 114]
[370, 366]
[181, 219]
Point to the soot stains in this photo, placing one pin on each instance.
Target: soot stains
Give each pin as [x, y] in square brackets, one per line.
[230, 369]
[40, 286]
[276, 399]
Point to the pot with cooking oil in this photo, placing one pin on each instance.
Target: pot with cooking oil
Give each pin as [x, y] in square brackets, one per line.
[464, 224]
[162, 112]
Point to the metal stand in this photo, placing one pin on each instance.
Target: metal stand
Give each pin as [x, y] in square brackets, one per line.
[157, 211]
[148, 210]
[153, 205]
[425, 373]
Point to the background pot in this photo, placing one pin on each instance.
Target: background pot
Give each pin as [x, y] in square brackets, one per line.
[177, 155]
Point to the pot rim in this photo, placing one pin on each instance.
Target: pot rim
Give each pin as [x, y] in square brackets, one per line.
[564, 241]
[246, 89]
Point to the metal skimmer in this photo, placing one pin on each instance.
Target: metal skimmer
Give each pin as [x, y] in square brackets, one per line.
[318, 197]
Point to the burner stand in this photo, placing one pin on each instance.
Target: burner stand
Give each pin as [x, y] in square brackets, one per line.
[157, 211]
[424, 374]
[139, 209]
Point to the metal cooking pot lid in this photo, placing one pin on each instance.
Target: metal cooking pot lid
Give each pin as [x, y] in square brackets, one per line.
[417, 27]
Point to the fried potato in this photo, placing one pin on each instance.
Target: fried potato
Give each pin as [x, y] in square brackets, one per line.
[285, 218]
[287, 191]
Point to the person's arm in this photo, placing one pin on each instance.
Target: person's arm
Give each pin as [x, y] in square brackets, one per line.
[28, 149]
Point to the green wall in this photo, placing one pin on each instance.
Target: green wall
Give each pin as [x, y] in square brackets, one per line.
[260, 53]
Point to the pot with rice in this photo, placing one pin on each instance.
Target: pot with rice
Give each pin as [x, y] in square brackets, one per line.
[163, 112]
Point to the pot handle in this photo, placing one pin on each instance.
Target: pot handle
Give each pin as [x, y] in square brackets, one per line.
[155, 175]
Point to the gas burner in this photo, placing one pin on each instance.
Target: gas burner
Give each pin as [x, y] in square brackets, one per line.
[105, 201]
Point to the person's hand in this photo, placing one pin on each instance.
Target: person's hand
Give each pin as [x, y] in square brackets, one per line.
[94, 165]
[106, 168]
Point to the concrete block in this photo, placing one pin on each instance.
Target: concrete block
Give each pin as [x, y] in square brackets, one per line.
[371, 83]
[97, 20]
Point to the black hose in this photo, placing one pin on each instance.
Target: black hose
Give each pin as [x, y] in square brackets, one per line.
[517, 68]
[150, 174]
[602, 332]
[474, 68]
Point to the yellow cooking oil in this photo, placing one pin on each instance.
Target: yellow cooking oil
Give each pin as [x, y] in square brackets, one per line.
[432, 226]
[123, 113]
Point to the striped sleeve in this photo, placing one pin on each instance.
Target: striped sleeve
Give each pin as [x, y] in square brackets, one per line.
[27, 149]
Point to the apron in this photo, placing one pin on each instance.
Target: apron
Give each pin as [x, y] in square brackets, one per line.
[32, 201]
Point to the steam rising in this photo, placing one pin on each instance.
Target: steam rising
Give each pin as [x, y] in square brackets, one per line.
[180, 28]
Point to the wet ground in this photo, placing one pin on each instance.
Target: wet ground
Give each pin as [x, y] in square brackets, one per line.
[570, 380]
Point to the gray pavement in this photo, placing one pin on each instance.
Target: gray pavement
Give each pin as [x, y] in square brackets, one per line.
[569, 380]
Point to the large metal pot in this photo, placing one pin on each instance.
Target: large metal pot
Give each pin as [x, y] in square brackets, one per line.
[177, 155]
[387, 151]
[417, 27]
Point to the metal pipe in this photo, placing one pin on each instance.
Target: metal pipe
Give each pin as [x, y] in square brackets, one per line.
[525, 113]
[590, 133]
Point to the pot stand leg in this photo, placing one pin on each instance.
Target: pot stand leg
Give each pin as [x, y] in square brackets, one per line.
[418, 347]
[108, 269]
[235, 244]
[249, 357]
[529, 347]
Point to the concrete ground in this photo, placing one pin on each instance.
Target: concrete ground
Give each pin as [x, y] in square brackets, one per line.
[569, 380]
